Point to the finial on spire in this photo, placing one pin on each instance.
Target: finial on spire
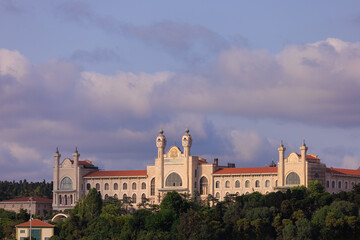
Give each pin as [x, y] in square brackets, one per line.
[161, 131]
[187, 130]
[57, 150]
[281, 144]
[76, 151]
[304, 142]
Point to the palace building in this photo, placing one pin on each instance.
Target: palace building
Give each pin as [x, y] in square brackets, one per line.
[176, 169]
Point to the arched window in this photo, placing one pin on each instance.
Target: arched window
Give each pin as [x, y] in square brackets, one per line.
[143, 185]
[143, 197]
[227, 184]
[133, 198]
[237, 184]
[152, 187]
[134, 186]
[227, 193]
[339, 184]
[173, 180]
[124, 196]
[257, 183]
[106, 196]
[98, 187]
[115, 196]
[125, 186]
[217, 184]
[71, 199]
[276, 183]
[267, 183]
[60, 200]
[327, 184]
[106, 186]
[333, 184]
[346, 185]
[88, 186]
[116, 186]
[203, 186]
[217, 195]
[66, 183]
[237, 193]
[292, 178]
[247, 184]
[66, 202]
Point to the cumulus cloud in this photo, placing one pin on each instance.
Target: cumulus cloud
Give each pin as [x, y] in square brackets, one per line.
[56, 103]
[125, 91]
[12, 63]
[314, 83]
[249, 146]
[351, 162]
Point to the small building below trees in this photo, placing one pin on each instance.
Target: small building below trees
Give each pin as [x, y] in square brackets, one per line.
[39, 206]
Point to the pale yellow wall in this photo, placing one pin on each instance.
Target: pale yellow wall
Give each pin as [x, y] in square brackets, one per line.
[45, 232]
[36, 208]
[222, 190]
[120, 181]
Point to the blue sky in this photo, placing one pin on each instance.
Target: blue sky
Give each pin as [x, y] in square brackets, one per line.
[241, 74]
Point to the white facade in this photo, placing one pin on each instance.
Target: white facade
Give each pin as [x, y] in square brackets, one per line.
[176, 169]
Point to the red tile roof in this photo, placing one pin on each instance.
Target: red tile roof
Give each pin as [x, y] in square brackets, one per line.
[86, 162]
[117, 173]
[26, 199]
[247, 170]
[310, 156]
[35, 223]
[344, 171]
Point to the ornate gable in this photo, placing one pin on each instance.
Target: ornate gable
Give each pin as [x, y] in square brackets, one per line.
[174, 152]
[293, 158]
[66, 163]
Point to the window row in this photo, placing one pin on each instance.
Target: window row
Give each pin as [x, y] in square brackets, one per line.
[116, 186]
[217, 195]
[131, 199]
[65, 200]
[238, 185]
[339, 184]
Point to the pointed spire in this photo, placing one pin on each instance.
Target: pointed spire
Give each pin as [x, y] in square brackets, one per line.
[161, 131]
[272, 164]
[57, 150]
[187, 130]
[304, 142]
[76, 150]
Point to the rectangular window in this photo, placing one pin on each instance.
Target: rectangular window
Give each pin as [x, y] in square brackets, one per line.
[22, 231]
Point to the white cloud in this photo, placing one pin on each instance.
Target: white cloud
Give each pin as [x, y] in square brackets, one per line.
[122, 92]
[247, 145]
[350, 162]
[13, 63]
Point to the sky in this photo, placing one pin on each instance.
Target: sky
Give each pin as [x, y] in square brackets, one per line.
[242, 75]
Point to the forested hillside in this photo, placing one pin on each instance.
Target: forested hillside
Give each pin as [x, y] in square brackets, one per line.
[298, 213]
[23, 188]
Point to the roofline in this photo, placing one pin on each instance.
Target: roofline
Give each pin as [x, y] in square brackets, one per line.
[116, 176]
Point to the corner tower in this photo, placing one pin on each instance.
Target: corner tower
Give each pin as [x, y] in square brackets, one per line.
[281, 165]
[159, 162]
[186, 142]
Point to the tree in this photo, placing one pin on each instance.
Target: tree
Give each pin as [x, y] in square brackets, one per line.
[175, 202]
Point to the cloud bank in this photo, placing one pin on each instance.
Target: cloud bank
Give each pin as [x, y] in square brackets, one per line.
[55, 102]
